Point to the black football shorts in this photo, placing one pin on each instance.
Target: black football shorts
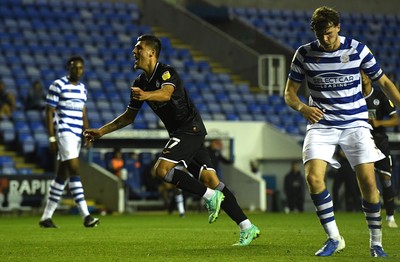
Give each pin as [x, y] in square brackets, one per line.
[188, 150]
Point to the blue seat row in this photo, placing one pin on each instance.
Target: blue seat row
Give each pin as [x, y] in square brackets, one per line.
[291, 28]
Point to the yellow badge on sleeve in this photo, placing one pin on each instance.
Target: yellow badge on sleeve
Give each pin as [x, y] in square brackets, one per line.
[166, 75]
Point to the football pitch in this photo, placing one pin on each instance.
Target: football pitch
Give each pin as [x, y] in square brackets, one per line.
[157, 236]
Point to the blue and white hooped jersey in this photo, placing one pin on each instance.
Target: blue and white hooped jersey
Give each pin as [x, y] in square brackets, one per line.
[69, 101]
[334, 81]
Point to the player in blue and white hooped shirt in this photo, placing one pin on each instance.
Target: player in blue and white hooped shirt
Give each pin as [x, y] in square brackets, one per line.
[338, 116]
[65, 120]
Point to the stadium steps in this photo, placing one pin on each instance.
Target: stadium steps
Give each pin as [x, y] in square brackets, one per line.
[196, 55]
[20, 162]
[4, 152]
[199, 56]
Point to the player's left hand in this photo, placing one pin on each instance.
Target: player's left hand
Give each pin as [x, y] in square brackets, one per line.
[138, 93]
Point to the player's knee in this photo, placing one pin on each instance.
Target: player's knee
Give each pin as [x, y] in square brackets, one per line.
[314, 180]
[161, 171]
[209, 178]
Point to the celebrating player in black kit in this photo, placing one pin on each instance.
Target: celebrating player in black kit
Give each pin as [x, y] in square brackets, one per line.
[382, 114]
[162, 89]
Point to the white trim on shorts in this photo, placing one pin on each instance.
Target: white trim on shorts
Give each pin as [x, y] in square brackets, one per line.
[357, 144]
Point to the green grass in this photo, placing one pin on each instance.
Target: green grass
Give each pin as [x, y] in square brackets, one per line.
[161, 237]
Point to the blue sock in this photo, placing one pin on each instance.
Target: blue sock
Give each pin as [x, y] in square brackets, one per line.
[324, 208]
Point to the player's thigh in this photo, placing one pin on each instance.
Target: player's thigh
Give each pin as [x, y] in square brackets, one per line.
[179, 150]
[320, 144]
[359, 146]
[182, 148]
[162, 167]
[68, 147]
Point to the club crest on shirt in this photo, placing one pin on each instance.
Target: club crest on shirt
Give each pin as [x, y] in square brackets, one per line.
[166, 75]
[376, 102]
[157, 84]
[344, 58]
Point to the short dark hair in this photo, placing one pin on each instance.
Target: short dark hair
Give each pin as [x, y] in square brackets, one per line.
[152, 41]
[324, 17]
[74, 59]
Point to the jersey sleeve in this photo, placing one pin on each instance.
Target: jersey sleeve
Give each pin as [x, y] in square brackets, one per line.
[369, 63]
[296, 72]
[169, 77]
[53, 95]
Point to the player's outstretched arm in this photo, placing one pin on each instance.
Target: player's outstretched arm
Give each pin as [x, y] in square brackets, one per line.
[390, 90]
[121, 121]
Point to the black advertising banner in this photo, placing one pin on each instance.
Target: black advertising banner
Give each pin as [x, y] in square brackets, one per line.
[18, 191]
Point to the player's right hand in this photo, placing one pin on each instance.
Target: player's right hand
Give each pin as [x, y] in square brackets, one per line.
[312, 114]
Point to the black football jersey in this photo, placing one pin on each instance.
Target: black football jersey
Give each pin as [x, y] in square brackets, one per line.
[379, 107]
[179, 114]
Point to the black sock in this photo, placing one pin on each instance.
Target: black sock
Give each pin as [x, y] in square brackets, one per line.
[390, 206]
[185, 182]
[231, 206]
[388, 199]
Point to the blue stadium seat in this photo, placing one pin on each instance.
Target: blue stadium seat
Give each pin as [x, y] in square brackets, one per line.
[260, 118]
[24, 171]
[26, 143]
[202, 107]
[102, 104]
[119, 107]
[206, 116]
[8, 171]
[282, 109]
[107, 116]
[254, 109]
[7, 131]
[214, 108]
[246, 117]
[218, 116]
[267, 109]
[275, 100]
[228, 108]
[208, 97]
[248, 98]
[234, 98]
[37, 126]
[274, 119]
[293, 130]
[34, 115]
[241, 109]
[6, 161]
[232, 117]
[90, 104]
[221, 96]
